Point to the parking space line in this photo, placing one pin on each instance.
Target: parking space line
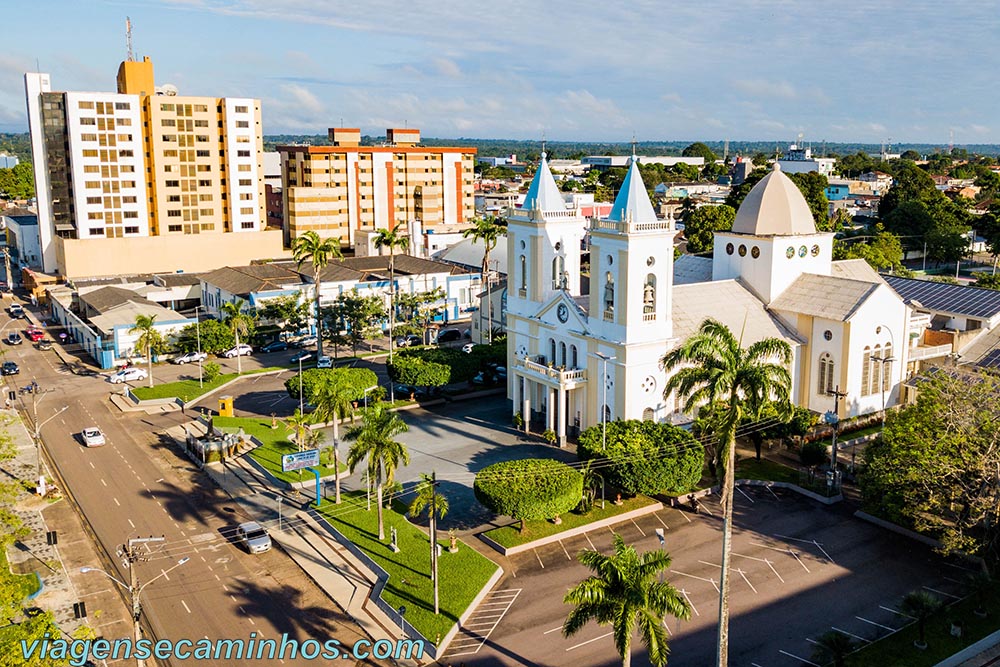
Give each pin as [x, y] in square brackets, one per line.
[661, 520]
[684, 514]
[896, 611]
[851, 634]
[795, 657]
[934, 590]
[773, 570]
[637, 526]
[685, 574]
[742, 574]
[952, 580]
[116, 501]
[549, 632]
[564, 550]
[590, 641]
[820, 547]
[773, 493]
[589, 542]
[800, 560]
[705, 562]
[478, 638]
[752, 501]
[959, 567]
[534, 551]
[693, 608]
[878, 625]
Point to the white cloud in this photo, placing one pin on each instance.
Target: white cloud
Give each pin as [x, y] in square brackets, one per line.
[764, 89]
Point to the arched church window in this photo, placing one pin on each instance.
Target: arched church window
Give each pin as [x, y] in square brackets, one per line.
[552, 350]
[647, 415]
[649, 295]
[524, 273]
[607, 413]
[887, 375]
[866, 372]
[573, 354]
[562, 353]
[559, 278]
[877, 369]
[826, 369]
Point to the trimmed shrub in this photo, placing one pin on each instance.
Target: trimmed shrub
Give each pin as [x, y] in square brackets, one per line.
[813, 453]
[210, 371]
[529, 489]
[358, 379]
[646, 457]
[418, 372]
[463, 365]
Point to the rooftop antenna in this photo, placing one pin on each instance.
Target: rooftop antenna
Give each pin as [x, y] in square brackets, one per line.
[951, 141]
[128, 39]
[543, 143]
[633, 144]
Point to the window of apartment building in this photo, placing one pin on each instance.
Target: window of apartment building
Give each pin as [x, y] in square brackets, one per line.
[94, 201]
[88, 121]
[129, 199]
[206, 212]
[91, 169]
[246, 225]
[245, 181]
[246, 210]
[173, 213]
[199, 122]
[246, 196]
[88, 137]
[202, 138]
[200, 108]
[97, 231]
[128, 153]
[123, 122]
[122, 106]
[128, 184]
[172, 184]
[204, 167]
[124, 137]
[127, 169]
[131, 214]
[244, 167]
[85, 105]
[238, 109]
[203, 153]
[92, 185]
[243, 123]
[173, 228]
[166, 107]
[170, 153]
[95, 216]
[241, 139]
[168, 122]
[243, 153]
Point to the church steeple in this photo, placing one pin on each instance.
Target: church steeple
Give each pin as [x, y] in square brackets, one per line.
[632, 202]
[543, 194]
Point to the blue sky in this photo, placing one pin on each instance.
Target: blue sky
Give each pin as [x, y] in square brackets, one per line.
[911, 70]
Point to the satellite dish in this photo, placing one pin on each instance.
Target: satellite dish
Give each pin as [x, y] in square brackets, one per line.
[169, 89]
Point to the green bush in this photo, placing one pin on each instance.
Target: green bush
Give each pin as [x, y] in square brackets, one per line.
[529, 488]
[813, 453]
[418, 372]
[646, 457]
[464, 366]
[210, 371]
[358, 379]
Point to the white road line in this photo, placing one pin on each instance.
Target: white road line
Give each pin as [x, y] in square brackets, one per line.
[952, 580]
[745, 495]
[164, 573]
[252, 622]
[92, 465]
[539, 558]
[116, 501]
[589, 542]
[590, 641]
[773, 570]
[685, 574]
[812, 641]
[661, 521]
[762, 560]
[685, 515]
[549, 632]
[103, 482]
[609, 530]
[934, 590]
[957, 567]
[705, 562]
[701, 506]
[693, 608]
[820, 547]
[480, 637]
[878, 625]
[796, 539]
[130, 523]
[217, 578]
[896, 611]
[637, 526]
[795, 657]
[742, 574]
[186, 608]
[564, 550]
[851, 634]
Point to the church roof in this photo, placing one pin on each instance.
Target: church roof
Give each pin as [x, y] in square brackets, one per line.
[692, 269]
[856, 269]
[829, 297]
[543, 193]
[774, 207]
[632, 202]
[729, 302]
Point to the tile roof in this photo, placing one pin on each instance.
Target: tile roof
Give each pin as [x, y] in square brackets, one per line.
[692, 269]
[956, 299]
[732, 304]
[125, 314]
[855, 269]
[829, 297]
[106, 298]
[245, 280]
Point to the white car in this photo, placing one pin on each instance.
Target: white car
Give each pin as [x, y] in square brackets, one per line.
[190, 358]
[240, 350]
[128, 375]
[324, 362]
[92, 436]
[254, 537]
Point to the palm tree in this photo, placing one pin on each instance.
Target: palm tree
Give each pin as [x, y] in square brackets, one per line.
[428, 498]
[391, 240]
[488, 230]
[921, 606]
[239, 323]
[149, 339]
[623, 592]
[317, 251]
[333, 402]
[299, 422]
[833, 648]
[373, 440]
[712, 366]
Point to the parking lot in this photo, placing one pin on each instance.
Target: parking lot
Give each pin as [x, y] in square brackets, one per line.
[799, 570]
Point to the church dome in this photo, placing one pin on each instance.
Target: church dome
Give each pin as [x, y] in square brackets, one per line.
[774, 207]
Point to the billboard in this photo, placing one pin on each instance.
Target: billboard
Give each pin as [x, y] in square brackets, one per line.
[300, 460]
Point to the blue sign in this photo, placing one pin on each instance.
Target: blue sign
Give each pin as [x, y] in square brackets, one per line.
[300, 460]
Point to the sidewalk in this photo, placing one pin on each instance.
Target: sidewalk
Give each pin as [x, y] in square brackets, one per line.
[59, 565]
[328, 564]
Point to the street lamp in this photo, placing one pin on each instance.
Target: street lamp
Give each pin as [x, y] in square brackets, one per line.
[604, 407]
[883, 361]
[197, 317]
[134, 590]
[371, 388]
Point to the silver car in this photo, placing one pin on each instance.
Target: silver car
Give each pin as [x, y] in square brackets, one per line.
[253, 536]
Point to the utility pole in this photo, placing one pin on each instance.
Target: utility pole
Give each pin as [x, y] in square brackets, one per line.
[434, 541]
[837, 395]
[36, 426]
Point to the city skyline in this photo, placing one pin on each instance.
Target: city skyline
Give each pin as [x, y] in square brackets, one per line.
[757, 71]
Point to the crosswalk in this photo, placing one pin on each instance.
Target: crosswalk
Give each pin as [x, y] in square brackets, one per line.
[477, 628]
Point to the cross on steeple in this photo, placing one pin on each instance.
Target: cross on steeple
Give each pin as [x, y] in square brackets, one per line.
[543, 143]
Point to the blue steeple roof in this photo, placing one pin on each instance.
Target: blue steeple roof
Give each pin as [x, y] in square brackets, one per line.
[543, 194]
[632, 201]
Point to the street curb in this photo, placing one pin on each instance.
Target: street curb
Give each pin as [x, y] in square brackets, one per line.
[831, 500]
[656, 506]
[971, 651]
[905, 532]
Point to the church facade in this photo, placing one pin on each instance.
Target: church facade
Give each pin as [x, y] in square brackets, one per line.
[585, 345]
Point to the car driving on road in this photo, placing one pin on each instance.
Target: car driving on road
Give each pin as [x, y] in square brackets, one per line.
[9, 368]
[34, 335]
[324, 362]
[14, 338]
[92, 436]
[128, 375]
[253, 536]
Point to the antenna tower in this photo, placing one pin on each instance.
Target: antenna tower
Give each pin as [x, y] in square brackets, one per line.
[130, 57]
[951, 141]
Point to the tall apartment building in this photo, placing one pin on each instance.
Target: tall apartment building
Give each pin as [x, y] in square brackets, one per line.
[126, 180]
[346, 188]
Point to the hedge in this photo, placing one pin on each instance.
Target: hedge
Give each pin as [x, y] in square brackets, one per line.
[646, 457]
[358, 379]
[418, 372]
[463, 365]
[529, 488]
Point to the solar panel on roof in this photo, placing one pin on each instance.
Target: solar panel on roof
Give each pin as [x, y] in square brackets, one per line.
[958, 299]
[990, 360]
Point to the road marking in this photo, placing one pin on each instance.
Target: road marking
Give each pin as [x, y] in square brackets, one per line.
[684, 514]
[103, 482]
[896, 611]
[795, 657]
[934, 590]
[799, 559]
[549, 632]
[796, 539]
[773, 570]
[479, 638]
[879, 625]
[773, 493]
[609, 530]
[92, 465]
[589, 542]
[742, 574]
[786, 551]
[539, 558]
[252, 622]
[564, 550]
[705, 562]
[116, 501]
[164, 573]
[957, 567]
[217, 578]
[685, 574]
[952, 580]
[851, 634]
[130, 523]
[637, 526]
[590, 641]
[693, 608]
[186, 608]
[745, 495]
[820, 547]
[700, 506]
[232, 597]
[661, 520]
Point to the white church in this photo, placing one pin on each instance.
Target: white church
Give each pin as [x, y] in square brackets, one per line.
[577, 344]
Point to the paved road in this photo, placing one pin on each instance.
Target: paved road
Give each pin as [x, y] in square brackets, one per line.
[138, 485]
[802, 570]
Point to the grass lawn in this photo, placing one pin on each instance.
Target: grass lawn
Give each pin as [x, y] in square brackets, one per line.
[764, 469]
[25, 583]
[462, 574]
[897, 650]
[510, 536]
[841, 437]
[187, 390]
[275, 441]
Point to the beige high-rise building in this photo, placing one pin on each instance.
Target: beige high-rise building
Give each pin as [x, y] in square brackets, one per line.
[346, 188]
[143, 164]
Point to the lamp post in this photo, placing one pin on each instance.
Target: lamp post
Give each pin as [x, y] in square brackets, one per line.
[197, 328]
[301, 398]
[604, 401]
[882, 362]
[834, 420]
[36, 426]
[371, 388]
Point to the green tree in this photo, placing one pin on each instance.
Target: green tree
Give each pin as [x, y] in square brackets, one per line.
[359, 316]
[855, 165]
[813, 187]
[883, 252]
[318, 252]
[832, 648]
[711, 366]
[921, 606]
[420, 308]
[394, 239]
[417, 372]
[911, 184]
[299, 423]
[18, 182]
[149, 342]
[529, 489]
[987, 280]
[703, 222]
[436, 505]
[374, 443]
[285, 312]
[738, 193]
[910, 155]
[333, 400]
[240, 325]
[623, 592]
[356, 380]
[215, 337]
[488, 231]
[698, 149]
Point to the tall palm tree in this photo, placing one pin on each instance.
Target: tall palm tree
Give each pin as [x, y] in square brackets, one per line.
[832, 648]
[429, 499]
[299, 422]
[488, 230]
[239, 323]
[149, 339]
[373, 441]
[333, 400]
[317, 251]
[623, 592]
[712, 366]
[921, 606]
[391, 240]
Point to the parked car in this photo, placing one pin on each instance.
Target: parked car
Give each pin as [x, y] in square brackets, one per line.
[189, 358]
[324, 362]
[44, 344]
[9, 368]
[449, 335]
[34, 335]
[490, 376]
[304, 355]
[240, 350]
[308, 341]
[128, 375]
[253, 536]
[407, 341]
[92, 437]
[14, 338]
[275, 346]
[15, 310]
[467, 348]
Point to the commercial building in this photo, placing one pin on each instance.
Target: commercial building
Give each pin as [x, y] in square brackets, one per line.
[144, 179]
[8, 161]
[342, 190]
